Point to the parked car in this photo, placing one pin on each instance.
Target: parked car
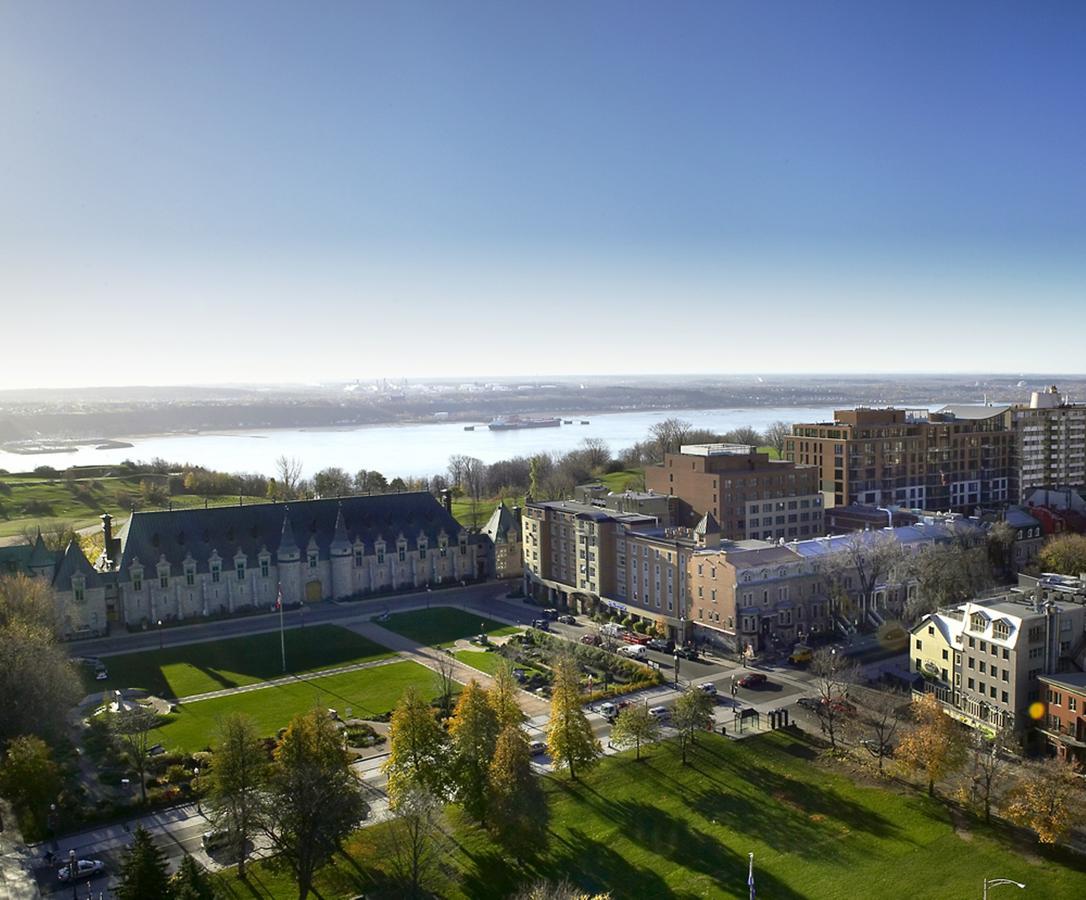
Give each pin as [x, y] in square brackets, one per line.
[612, 629]
[873, 747]
[686, 652]
[100, 675]
[537, 748]
[661, 645]
[810, 703]
[622, 704]
[567, 619]
[800, 655]
[551, 614]
[608, 710]
[841, 707]
[541, 624]
[520, 675]
[634, 651]
[708, 688]
[660, 712]
[593, 640]
[753, 680]
[84, 868]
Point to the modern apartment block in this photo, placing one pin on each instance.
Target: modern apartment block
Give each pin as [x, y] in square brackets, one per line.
[955, 459]
[984, 659]
[1050, 444]
[750, 495]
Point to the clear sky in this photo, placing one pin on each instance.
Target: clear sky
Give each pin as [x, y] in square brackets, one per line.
[211, 192]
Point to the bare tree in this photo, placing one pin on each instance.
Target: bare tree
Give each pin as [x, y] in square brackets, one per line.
[776, 433]
[668, 436]
[288, 472]
[834, 675]
[988, 771]
[474, 475]
[414, 841]
[880, 722]
[744, 435]
[864, 561]
[945, 574]
[445, 668]
[56, 534]
[132, 728]
[457, 464]
[596, 452]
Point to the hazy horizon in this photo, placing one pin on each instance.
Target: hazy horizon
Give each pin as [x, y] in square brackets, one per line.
[208, 194]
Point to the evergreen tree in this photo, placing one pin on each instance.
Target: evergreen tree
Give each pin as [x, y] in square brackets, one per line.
[418, 748]
[144, 872]
[235, 785]
[515, 797]
[313, 798]
[191, 882]
[473, 732]
[570, 741]
[634, 727]
[503, 697]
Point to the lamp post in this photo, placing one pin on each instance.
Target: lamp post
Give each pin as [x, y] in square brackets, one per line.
[71, 873]
[159, 634]
[53, 825]
[196, 788]
[996, 882]
[677, 658]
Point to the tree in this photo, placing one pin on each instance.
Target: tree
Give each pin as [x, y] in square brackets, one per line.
[236, 782]
[445, 668]
[38, 683]
[1048, 799]
[570, 741]
[503, 697]
[144, 872]
[397, 485]
[515, 798]
[934, 745]
[473, 478]
[289, 472]
[865, 560]
[1001, 538]
[457, 464]
[30, 779]
[744, 434]
[596, 452]
[473, 735]
[556, 890]
[413, 840]
[332, 482]
[1064, 555]
[313, 799]
[881, 720]
[634, 727]
[987, 771]
[418, 749]
[132, 728]
[693, 712]
[668, 435]
[775, 435]
[946, 574]
[56, 534]
[191, 882]
[834, 675]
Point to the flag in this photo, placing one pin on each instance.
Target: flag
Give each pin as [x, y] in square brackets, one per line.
[279, 599]
[750, 877]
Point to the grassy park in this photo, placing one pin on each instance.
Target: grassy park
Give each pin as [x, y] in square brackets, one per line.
[487, 662]
[187, 669]
[658, 829]
[368, 692]
[444, 625]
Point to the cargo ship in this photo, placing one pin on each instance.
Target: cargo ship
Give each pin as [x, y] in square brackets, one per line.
[508, 423]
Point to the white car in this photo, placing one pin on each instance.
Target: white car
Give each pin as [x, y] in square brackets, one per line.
[660, 712]
[608, 710]
[634, 651]
[84, 868]
[708, 688]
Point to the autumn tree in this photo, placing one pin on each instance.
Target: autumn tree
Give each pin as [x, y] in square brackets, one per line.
[144, 871]
[313, 798]
[236, 783]
[634, 727]
[987, 771]
[693, 712]
[473, 735]
[934, 745]
[191, 882]
[570, 741]
[30, 779]
[132, 728]
[503, 697]
[413, 840]
[515, 797]
[1049, 799]
[418, 749]
[834, 676]
[1064, 554]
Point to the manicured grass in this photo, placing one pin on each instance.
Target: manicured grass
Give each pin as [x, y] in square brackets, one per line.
[462, 510]
[658, 829]
[488, 662]
[368, 692]
[442, 625]
[626, 480]
[211, 666]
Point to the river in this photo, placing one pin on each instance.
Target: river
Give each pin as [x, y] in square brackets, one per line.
[405, 450]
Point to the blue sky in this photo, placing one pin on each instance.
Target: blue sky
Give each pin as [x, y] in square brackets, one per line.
[207, 192]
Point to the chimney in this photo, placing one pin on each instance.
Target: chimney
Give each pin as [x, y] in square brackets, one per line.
[446, 501]
[107, 535]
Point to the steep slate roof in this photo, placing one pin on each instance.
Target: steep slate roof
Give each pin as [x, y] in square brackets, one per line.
[181, 532]
[15, 559]
[499, 524]
[40, 556]
[75, 563]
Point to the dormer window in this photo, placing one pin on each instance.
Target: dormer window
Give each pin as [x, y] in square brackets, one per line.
[402, 552]
[78, 589]
[239, 567]
[463, 546]
[137, 580]
[265, 567]
[422, 549]
[190, 574]
[216, 572]
[359, 555]
[978, 622]
[313, 559]
[380, 554]
[163, 580]
[1001, 629]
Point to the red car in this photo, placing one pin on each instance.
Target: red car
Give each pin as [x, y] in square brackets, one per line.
[753, 680]
[592, 639]
[841, 707]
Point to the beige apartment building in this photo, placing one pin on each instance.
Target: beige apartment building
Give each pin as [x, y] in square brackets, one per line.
[749, 495]
[1050, 444]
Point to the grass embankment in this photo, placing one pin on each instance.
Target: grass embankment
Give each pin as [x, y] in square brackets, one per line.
[369, 693]
[656, 828]
[187, 669]
[27, 501]
[443, 625]
[487, 661]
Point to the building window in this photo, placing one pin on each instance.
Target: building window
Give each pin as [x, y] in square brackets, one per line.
[78, 595]
[240, 569]
[190, 577]
[358, 558]
[163, 581]
[919, 644]
[422, 551]
[402, 554]
[264, 568]
[137, 583]
[215, 573]
[312, 560]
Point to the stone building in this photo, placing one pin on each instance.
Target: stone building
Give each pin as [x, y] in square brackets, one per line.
[503, 531]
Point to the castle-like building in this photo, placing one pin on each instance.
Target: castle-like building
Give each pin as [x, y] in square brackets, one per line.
[167, 566]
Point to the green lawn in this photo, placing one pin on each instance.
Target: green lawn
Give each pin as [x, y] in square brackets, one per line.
[658, 829]
[488, 662]
[368, 692]
[625, 480]
[442, 625]
[464, 514]
[211, 666]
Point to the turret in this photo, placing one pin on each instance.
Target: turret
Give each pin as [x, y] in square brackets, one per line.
[288, 560]
[42, 562]
[340, 552]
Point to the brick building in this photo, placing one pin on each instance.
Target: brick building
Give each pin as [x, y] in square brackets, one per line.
[1063, 726]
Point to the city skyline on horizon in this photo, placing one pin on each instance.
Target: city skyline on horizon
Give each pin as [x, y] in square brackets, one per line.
[255, 195]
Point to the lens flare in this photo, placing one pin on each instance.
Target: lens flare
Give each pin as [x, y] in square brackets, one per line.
[1036, 710]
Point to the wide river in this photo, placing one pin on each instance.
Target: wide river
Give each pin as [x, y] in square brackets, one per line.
[405, 450]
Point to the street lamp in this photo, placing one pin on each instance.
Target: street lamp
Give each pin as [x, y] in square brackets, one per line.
[159, 634]
[71, 873]
[677, 657]
[996, 882]
[196, 788]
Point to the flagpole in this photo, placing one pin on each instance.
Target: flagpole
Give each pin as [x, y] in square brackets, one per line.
[282, 635]
[750, 876]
